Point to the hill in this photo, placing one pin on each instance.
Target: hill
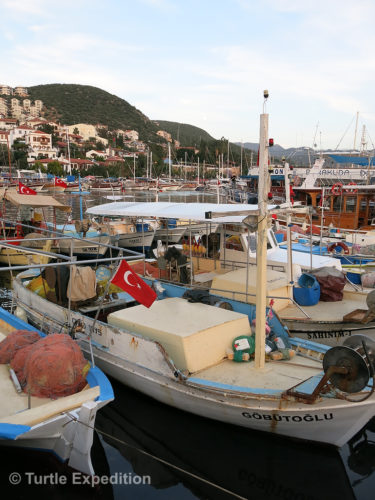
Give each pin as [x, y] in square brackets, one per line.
[72, 103]
[188, 135]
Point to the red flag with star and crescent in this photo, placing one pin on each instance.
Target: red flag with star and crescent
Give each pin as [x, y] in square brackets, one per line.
[22, 189]
[60, 182]
[129, 281]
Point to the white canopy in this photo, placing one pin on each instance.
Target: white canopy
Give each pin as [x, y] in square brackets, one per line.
[188, 211]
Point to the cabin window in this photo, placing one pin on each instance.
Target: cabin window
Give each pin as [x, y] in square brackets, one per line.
[337, 203]
[350, 204]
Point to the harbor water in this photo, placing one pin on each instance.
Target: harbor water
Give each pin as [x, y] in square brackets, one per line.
[144, 449]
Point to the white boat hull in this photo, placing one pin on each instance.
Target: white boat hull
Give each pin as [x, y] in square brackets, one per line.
[69, 436]
[134, 240]
[143, 365]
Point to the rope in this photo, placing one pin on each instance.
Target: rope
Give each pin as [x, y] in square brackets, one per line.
[158, 459]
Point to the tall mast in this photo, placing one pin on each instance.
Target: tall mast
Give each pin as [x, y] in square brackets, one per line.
[9, 160]
[67, 139]
[355, 132]
[169, 161]
[262, 241]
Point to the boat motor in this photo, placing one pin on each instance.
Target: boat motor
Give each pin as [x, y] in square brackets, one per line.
[350, 366]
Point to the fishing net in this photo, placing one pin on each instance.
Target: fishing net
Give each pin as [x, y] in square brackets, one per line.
[14, 341]
[18, 363]
[55, 367]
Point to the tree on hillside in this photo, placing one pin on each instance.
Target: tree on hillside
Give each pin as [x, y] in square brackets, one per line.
[54, 168]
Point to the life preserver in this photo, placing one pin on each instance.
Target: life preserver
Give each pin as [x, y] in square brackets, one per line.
[351, 190]
[340, 244]
[336, 188]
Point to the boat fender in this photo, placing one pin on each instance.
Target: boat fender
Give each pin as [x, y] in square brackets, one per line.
[336, 188]
[341, 244]
[351, 188]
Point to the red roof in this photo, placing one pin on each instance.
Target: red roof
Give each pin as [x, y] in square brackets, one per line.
[80, 161]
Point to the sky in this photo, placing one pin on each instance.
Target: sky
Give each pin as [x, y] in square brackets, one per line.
[207, 62]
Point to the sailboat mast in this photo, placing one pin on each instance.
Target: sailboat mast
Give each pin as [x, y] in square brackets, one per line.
[169, 161]
[67, 140]
[355, 132]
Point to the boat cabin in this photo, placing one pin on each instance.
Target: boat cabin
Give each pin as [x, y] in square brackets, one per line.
[346, 207]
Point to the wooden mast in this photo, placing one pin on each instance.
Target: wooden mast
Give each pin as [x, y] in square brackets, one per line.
[260, 340]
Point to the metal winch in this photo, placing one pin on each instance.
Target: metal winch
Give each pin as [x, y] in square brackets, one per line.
[350, 366]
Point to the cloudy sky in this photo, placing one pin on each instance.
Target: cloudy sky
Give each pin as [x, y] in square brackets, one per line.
[207, 62]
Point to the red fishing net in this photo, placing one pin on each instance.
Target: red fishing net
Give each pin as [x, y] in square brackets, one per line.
[15, 341]
[55, 367]
[18, 362]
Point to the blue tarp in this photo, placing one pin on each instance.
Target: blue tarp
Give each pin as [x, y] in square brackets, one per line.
[356, 160]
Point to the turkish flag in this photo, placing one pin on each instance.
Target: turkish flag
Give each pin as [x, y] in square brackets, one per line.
[131, 283]
[59, 182]
[22, 189]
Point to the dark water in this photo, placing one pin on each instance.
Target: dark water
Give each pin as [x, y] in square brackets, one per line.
[151, 451]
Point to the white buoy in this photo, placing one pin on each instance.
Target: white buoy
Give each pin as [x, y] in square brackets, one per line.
[20, 313]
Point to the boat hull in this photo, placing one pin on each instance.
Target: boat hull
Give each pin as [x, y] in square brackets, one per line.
[143, 365]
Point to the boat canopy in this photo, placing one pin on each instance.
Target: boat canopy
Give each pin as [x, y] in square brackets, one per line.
[186, 211]
[34, 200]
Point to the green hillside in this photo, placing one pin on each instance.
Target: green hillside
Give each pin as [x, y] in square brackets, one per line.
[188, 135]
[72, 103]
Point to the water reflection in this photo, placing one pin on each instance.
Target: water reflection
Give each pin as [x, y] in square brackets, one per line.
[231, 459]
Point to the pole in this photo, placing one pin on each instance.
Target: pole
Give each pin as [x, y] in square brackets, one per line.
[262, 246]
[289, 268]
[67, 139]
[9, 160]
[134, 168]
[241, 158]
[169, 161]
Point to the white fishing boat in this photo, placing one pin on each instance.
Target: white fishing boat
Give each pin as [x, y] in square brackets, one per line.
[125, 233]
[179, 353]
[62, 426]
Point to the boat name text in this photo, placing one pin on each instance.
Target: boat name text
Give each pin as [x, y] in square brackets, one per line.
[289, 418]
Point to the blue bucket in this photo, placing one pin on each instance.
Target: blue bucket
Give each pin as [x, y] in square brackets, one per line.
[307, 296]
[309, 293]
[139, 227]
[307, 281]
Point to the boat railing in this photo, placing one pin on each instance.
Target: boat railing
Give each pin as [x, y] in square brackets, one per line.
[56, 235]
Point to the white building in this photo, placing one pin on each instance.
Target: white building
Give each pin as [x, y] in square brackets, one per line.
[21, 91]
[40, 143]
[6, 90]
[19, 133]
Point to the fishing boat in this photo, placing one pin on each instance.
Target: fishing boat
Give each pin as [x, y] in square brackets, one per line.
[105, 185]
[63, 426]
[161, 217]
[237, 242]
[16, 236]
[179, 352]
[125, 233]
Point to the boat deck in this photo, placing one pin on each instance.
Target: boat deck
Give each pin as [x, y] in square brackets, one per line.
[277, 375]
[322, 310]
